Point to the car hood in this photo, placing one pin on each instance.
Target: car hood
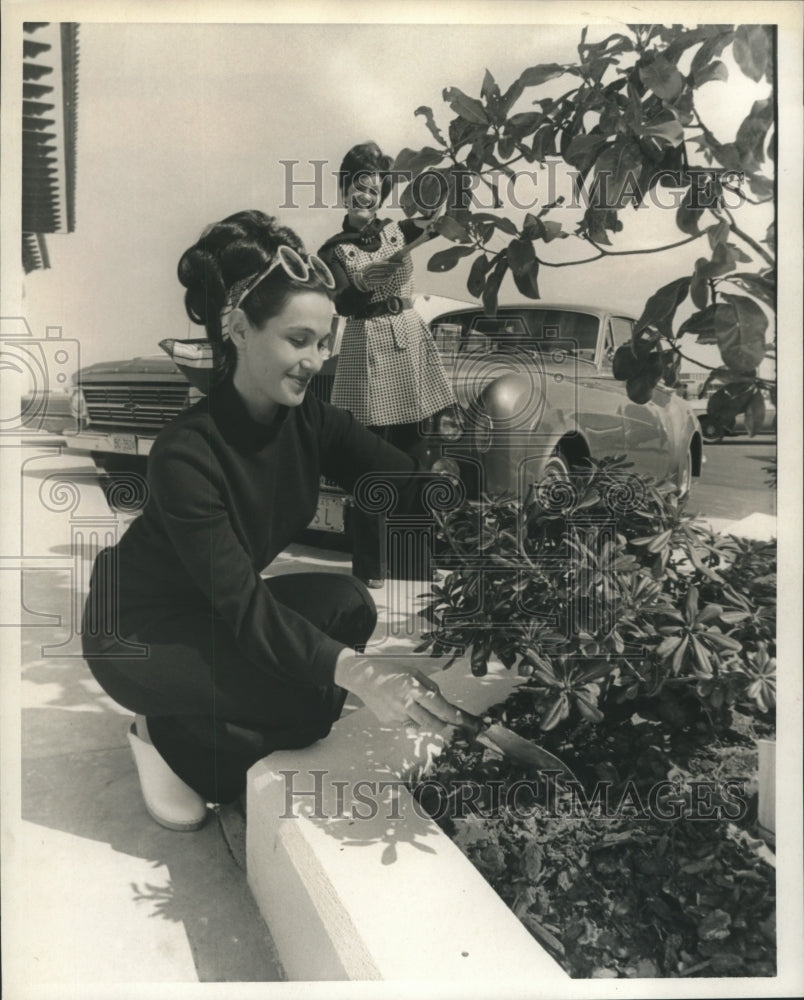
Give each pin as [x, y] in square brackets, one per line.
[471, 374]
[156, 365]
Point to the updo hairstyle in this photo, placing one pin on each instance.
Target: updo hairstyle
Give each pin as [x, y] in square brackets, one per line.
[227, 254]
[366, 158]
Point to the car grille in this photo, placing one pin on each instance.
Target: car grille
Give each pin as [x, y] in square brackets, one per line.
[135, 405]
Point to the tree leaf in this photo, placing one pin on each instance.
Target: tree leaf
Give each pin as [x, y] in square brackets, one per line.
[553, 231]
[750, 139]
[510, 97]
[493, 282]
[427, 113]
[699, 289]
[415, 161]
[524, 267]
[524, 124]
[451, 229]
[477, 275]
[662, 77]
[661, 306]
[618, 168]
[752, 51]
[687, 219]
[445, 260]
[715, 70]
[490, 91]
[462, 131]
[762, 187]
[741, 335]
[536, 75]
[670, 132]
[711, 48]
[583, 151]
[702, 324]
[499, 221]
[544, 142]
[468, 108]
[718, 233]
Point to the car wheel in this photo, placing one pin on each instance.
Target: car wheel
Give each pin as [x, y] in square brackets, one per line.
[548, 492]
[712, 430]
[556, 467]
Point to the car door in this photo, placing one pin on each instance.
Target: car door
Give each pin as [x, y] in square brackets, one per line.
[645, 425]
[601, 401]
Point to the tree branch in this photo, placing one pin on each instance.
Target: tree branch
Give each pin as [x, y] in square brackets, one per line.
[616, 253]
[625, 253]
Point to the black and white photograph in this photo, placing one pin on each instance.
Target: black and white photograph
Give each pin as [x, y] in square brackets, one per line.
[400, 453]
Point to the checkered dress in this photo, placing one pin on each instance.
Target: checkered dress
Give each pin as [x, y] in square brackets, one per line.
[389, 370]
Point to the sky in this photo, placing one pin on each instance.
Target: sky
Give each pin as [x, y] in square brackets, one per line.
[181, 124]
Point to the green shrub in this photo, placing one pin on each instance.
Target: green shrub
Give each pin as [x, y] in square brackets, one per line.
[601, 589]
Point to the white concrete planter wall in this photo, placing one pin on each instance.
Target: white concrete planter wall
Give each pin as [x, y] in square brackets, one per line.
[767, 785]
[388, 897]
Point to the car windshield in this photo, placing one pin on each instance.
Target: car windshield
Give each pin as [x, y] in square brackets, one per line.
[545, 330]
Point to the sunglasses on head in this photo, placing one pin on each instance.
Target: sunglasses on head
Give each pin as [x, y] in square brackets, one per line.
[296, 268]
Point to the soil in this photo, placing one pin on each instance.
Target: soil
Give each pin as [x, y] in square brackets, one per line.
[653, 868]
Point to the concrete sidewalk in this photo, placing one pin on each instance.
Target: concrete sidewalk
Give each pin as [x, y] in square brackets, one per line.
[111, 897]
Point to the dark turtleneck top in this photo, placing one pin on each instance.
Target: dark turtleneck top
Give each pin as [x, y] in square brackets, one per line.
[227, 495]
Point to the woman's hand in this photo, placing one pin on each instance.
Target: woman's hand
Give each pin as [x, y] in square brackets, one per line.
[377, 274]
[393, 692]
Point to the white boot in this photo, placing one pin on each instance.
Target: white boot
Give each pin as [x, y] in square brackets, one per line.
[171, 802]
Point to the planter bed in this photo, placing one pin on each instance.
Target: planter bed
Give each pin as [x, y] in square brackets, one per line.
[623, 888]
[388, 897]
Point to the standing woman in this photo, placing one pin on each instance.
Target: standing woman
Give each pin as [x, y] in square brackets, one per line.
[233, 666]
[389, 373]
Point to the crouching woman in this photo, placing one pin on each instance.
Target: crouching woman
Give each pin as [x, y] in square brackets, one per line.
[221, 666]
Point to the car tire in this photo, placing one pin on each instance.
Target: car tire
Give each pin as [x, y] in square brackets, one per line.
[712, 430]
[556, 467]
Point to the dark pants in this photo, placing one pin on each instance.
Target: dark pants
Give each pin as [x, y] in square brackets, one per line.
[211, 713]
[376, 555]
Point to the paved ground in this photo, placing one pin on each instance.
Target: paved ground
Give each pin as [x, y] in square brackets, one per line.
[734, 481]
[100, 893]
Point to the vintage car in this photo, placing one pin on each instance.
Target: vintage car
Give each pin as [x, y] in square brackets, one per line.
[536, 397]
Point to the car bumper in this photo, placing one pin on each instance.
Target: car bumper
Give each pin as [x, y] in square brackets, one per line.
[111, 442]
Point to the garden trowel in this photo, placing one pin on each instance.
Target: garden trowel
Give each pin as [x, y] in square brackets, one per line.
[512, 745]
[505, 741]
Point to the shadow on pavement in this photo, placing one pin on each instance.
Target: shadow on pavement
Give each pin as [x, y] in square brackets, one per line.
[79, 778]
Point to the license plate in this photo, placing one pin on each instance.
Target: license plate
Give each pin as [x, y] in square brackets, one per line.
[126, 444]
[329, 514]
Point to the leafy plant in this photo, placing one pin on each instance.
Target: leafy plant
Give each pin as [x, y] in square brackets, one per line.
[628, 128]
[602, 590]
[612, 890]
